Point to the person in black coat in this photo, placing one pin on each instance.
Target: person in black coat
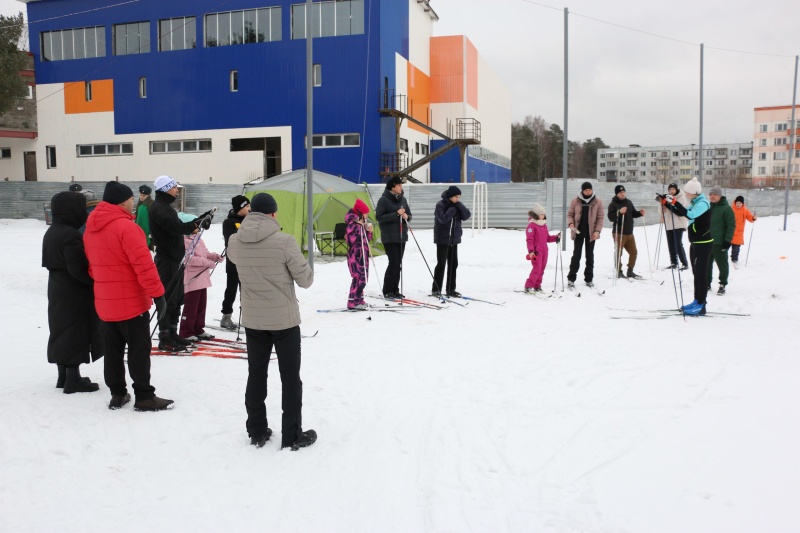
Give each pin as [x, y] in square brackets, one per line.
[167, 231]
[447, 233]
[393, 215]
[622, 212]
[75, 330]
[241, 207]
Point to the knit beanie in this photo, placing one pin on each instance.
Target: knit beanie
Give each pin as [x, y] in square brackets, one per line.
[360, 207]
[451, 191]
[586, 185]
[186, 217]
[164, 183]
[739, 199]
[715, 190]
[75, 187]
[145, 189]
[116, 192]
[264, 203]
[537, 209]
[693, 187]
[394, 182]
[239, 202]
[618, 189]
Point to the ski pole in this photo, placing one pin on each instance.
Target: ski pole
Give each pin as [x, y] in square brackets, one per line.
[658, 239]
[401, 256]
[752, 227]
[680, 281]
[365, 242]
[647, 247]
[411, 230]
[239, 323]
[561, 260]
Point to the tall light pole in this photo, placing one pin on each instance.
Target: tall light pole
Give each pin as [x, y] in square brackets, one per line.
[309, 134]
[792, 138]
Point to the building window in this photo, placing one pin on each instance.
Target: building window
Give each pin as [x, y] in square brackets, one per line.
[423, 149]
[92, 150]
[762, 128]
[5, 153]
[51, 157]
[762, 142]
[142, 87]
[317, 75]
[781, 141]
[779, 156]
[243, 27]
[30, 92]
[781, 127]
[403, 145]
[88, 91]
[177, 34]
[234, 81]
[175, 147]
[329, 19]
[762, 156]
[77, 43]
[344, 140]
[133, 38]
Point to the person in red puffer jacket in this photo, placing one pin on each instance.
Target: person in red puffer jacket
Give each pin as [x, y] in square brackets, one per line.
[125, 281]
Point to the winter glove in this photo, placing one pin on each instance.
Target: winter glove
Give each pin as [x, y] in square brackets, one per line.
[660, 198]
[669, 199]
[531, 256]
[558, 238]
[161, 306]
[726, 245]
[205, 223]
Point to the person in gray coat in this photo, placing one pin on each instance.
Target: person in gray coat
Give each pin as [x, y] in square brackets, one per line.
[269, 264]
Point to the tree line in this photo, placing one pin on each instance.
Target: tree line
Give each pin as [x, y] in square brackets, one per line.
[12, 61]
[536, 152]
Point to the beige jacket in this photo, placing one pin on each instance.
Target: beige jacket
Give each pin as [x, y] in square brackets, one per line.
[595, 216]
[269, 264]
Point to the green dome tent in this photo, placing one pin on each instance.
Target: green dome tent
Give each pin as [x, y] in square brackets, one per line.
[333, 197]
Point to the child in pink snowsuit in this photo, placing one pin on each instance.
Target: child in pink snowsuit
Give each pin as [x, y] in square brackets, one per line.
[197, 280]
[537, 238]
[358, 236]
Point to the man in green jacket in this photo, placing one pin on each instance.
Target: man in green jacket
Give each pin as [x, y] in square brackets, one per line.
[723, 223]
[142, 213]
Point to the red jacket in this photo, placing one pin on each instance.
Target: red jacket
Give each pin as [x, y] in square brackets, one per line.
[125, 277]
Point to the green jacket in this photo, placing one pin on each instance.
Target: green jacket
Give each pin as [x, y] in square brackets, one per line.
[723, 222]
[143, 219]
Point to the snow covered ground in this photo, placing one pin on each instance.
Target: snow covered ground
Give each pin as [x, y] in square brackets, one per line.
[540, 415]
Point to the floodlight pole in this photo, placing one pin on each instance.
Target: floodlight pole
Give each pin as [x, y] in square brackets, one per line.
[309, 135]
[565, 143]
[700, 153]
[792, 139]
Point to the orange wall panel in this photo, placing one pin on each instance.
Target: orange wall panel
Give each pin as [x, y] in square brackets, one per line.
[75, 97]
[447, 69]
[419, 97]
[472, 74]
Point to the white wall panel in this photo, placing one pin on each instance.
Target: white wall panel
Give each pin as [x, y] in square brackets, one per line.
[220, 165]
[420, 31]
[14, 169]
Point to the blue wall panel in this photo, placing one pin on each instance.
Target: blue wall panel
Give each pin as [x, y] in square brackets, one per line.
[189, 89]
[447, 168]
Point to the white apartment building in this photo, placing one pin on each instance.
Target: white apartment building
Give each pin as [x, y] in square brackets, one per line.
[673, 164]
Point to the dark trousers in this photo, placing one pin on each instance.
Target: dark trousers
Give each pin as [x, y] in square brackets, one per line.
[259, 349]
[391, 280]
[172, 278]
[700, 254]
[675, 245]
[135, 333]
[445, 256]
[735, 252]
[582, 239]
[720, 257]
[193, 319]
[230, 289]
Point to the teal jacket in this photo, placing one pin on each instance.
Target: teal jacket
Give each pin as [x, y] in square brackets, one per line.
[723, 222]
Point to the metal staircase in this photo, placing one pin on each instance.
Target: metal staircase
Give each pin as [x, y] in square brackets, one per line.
[465, 132]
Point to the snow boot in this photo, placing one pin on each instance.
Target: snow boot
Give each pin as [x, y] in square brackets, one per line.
[167, 344]
[453, 294]
[178, 339]
[685, 267]
[620, 275]
[698, 310]
[305, 439]
[75, 383]
[62, 376]
[205, 336]
[633, 275]
[118, 401]
[259, 442]
[437, 294]
[226, 322]
[721, 290]
[153, 404]
[570, 284]
[735, 265]
[687, 306]
[590, 284]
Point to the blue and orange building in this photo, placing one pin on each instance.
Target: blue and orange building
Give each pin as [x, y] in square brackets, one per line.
[215, 91]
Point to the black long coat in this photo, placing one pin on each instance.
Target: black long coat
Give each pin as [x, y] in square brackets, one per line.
[76, 332]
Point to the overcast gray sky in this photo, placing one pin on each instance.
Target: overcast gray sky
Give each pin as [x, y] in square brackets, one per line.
[628, 87]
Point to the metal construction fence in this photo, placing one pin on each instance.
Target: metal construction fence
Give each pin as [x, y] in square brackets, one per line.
[508, 203]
